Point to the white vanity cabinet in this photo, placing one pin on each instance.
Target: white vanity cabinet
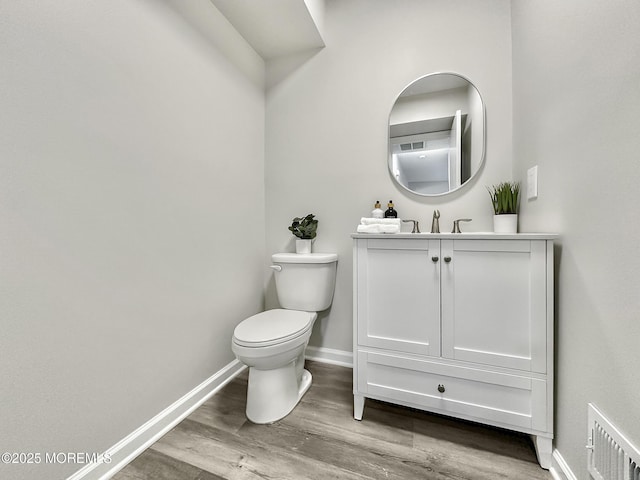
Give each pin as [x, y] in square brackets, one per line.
[457, 324]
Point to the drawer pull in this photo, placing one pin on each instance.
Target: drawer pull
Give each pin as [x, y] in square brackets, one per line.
[441, 388]
[447, 259]
[434, 259]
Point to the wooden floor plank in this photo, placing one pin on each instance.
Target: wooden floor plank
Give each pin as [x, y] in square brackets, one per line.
[320, 440]
[236, 457]
[156, 465]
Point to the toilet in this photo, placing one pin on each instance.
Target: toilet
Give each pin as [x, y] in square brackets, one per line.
[272, 343]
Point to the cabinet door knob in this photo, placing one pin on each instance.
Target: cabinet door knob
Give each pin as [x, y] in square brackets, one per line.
[447, 259]
[441, 388]
[434, 259]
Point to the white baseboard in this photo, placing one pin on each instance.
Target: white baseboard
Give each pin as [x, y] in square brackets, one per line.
[123, 452]
[329, 355]
[136, 442]
[559, 469]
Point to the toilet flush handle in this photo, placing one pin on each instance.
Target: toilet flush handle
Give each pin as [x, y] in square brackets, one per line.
[277, 268]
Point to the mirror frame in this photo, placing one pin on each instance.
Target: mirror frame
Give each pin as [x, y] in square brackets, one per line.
[484, 137]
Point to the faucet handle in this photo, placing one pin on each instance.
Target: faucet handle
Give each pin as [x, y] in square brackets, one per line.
[416, 227]
[456, 224]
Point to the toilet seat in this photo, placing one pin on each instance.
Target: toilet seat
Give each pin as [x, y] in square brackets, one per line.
[273, 327]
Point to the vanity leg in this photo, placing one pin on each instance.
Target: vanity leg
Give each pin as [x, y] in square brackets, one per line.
[358, 406]
[543, 450]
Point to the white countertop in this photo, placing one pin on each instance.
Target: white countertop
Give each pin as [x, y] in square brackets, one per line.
[461, 236]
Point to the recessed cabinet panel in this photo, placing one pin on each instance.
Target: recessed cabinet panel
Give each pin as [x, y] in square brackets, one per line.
[502, 399]
[400, 298]
[490, 294]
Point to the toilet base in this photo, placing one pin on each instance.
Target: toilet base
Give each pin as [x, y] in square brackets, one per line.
[305, 383]
[281, 390]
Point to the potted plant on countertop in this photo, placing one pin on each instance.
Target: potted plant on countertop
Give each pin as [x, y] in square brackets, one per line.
[305, 229]
[505, 198]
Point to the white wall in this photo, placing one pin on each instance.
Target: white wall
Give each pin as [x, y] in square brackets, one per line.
[130, 245]
[327, 123]
[576, 109]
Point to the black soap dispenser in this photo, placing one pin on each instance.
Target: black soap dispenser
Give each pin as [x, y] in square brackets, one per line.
[390, 212]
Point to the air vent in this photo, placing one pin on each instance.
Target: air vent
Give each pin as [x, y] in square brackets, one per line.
[407, 147]
[611, 456]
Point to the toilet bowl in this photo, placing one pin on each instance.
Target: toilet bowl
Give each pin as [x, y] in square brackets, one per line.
[272, 343]
[275, 357]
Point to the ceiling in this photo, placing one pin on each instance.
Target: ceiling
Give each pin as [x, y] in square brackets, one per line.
[274, 28]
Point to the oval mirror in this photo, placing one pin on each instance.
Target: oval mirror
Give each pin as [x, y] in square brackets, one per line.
[436, 134]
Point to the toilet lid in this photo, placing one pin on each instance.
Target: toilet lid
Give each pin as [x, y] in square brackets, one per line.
[273, 327]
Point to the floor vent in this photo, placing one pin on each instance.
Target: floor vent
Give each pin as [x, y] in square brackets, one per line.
[611, 456]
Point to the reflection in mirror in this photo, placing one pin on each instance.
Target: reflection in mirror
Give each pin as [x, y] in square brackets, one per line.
[436, 134]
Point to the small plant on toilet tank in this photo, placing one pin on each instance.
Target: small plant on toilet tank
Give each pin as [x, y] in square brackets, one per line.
[305, 229]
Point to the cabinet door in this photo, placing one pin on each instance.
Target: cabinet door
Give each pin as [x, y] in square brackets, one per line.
[494, 302]
[398, 295]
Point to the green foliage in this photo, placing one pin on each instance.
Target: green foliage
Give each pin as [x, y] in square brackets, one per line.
[504, 197]
[304, 227]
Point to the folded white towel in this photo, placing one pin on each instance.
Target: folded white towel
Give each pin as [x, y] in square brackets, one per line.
[380, 221]
[378, 228]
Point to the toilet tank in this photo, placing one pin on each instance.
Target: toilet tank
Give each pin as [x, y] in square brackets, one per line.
[305, 281]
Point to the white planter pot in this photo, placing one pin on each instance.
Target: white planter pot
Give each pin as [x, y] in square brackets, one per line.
[303, 246]
[505, 223]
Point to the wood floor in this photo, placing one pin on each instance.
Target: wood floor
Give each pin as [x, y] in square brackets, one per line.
[320, 440]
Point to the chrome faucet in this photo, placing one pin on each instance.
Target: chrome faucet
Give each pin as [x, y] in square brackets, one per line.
[456, 224]
[416, 227]
[435, 223]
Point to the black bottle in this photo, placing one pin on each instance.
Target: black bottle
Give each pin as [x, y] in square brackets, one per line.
[390, 212]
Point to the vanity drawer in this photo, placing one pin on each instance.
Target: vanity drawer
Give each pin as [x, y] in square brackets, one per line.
[473, 393]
